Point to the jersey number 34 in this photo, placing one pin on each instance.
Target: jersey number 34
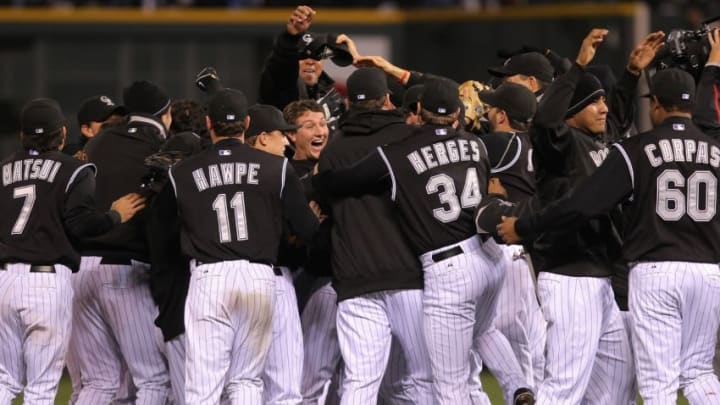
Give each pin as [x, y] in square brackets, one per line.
[452, 205]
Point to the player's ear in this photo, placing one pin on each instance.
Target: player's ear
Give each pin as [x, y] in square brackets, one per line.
[208, 123]
[247, 122]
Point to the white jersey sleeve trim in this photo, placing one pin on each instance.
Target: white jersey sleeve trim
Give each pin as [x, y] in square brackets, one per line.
[282, 176]
[393, 191]
[77, 171]
[172, 180]
[514, 160]
[625, 156]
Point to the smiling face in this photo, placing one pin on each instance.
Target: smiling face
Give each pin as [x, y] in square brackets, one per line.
[310, 70]
[311, 136]
[591, 119]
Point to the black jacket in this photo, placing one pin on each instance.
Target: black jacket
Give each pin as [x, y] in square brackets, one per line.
[563, 157]
[369, 252]
[279, 81]
[706, 114]
[119, 154]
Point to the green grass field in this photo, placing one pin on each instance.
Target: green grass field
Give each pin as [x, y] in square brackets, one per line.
[491, 387]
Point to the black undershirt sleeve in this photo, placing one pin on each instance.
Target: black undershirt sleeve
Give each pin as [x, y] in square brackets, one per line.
[360, 178]
[300, 217]
[81, 217]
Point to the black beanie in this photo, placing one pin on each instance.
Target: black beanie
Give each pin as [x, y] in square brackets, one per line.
[145, 97]
[587, 90]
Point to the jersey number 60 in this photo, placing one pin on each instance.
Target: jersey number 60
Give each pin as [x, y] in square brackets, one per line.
[672, 204]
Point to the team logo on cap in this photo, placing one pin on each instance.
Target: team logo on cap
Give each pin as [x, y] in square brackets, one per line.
[441, 110]
[307, 38]
[685, 96]
[39, 130]
[230, 117]
[106, 100]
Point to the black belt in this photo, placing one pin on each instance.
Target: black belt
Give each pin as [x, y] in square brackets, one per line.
[115, 260]
[446, 254]
[275, 269]
[35, 268]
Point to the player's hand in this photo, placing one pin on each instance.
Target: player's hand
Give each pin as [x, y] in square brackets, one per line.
[315, 207]
[344, 39]
[128, 205]
[506, 230]
[372, 62]
[589, 46]
[495, 187]
[714, 39]
[645, 52]
[300, 20]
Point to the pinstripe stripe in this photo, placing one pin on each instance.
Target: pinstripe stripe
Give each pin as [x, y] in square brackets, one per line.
[393, 191]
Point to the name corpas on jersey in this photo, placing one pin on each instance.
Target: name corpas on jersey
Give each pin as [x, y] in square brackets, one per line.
[30, 169]
[682, 150]
[444, 153]
[224, 174]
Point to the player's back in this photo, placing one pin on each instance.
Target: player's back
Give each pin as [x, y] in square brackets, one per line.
[32, 198]
[229, 200]
[439, 178]
[672, 215]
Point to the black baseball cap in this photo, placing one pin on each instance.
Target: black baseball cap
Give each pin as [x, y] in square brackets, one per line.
[441, 96]
[516, 100]
[145, 97]
[42, 116]
[673, 88]
[367, 84]
[227, 105]
[527, 64]
[412, 97]
[98, 109]
[266, 118]
[321, 46]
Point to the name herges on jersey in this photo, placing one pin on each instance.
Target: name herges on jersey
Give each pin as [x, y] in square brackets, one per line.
[443, 153]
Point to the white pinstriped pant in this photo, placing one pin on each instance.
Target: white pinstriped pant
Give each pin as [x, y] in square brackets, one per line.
[35, 323]
[114, 321]
[459, 302]
[519, 317]
[366, 327]
[322, 350]
[589, 359]
[175, 353]
[228, 322]
[283, 368]
[675, 312]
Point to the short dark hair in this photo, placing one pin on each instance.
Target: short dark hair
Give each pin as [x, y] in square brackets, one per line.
[187, 116]
[437, 119]
[43, 142]
[518, 125]
[374, 104]
[232, 129]
[292, 111]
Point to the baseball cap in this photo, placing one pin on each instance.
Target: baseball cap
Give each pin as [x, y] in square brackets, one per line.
[412, 97]
[266, 118]
[527, 64]
[587, 90]
[367, 84]
[145, 97]
[42, 116]
[673, 88]
[516, 100]
[321, 46]
[98, 109]
[227, 105]
[440, 96]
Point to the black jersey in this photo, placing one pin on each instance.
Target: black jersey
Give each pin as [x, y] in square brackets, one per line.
[510, 155]
[674, 171]
[668, 178]
[232, 199]
[47, 201]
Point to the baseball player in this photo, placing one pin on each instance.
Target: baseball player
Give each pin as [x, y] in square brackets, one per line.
[437, 177]
[115, 312]
[230, 304]
[568, 134]
[667, 178]
[379, 296]
[283, 371]
[519, 318]
[48, 201]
